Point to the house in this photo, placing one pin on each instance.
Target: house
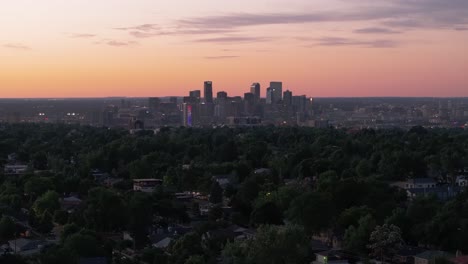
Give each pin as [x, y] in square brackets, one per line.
[162, 238]
[442, 192]
[70, 203]
[462, 181]
[406, 254]
[429, 256]
[421, 183]
[15, 169]
[241, 233]
[264, 171]
[225, 180]
[23, 246]
[146, 185]
[333, 257]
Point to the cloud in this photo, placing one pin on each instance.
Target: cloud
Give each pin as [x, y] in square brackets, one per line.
[220, 57]
[233, 39]
[83, 35]
[337, 41]
[116, 43]
[376, 30]
[396, 13]
[16, 46]
[152, 30]
[461, 28]
[142, 27]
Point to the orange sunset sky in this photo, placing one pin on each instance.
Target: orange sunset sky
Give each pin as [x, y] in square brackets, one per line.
[94, 48]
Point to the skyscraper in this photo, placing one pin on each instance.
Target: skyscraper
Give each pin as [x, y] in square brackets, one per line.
[255, 90]
[195, 94]
[277, 89]
[208, 90]
[249, 103]
[221, 95]
[287, 97]
[270, 96]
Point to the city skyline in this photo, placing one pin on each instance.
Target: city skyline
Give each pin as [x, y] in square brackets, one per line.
[335, 48]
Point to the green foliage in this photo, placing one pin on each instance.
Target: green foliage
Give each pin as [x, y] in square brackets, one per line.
[185, 247]
[356, 238]
[312, 210]
[216, 193]
[385, 241]
[48, 202]
[272, 244]
[7, 228]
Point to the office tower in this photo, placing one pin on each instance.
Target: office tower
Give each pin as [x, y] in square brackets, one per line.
[208, 90]
[287, 98]
[195, 94]
[187, 119]
[255, 89]
[277, 89]
[299, 103]
[249, 103]
[221, 95]
[154, 103]
[269, 95]
[221, 106]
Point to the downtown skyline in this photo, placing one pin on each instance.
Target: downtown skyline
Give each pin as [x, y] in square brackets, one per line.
[156, 48]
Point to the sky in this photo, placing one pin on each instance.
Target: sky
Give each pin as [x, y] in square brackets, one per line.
[320, 48]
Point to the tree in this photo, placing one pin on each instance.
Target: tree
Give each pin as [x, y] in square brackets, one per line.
[216, 193]
[356, 238]
[7, 228]
[272, 244]
[141, 216]
[83, 245]
[105, 210]
[312, 210]
[196, 259]
[185, 247]
[49, 201]
[385, 240]
[266, 214]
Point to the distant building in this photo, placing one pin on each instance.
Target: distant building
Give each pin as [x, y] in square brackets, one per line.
[255, 89]
[187, 114]
[195, 94]
[270, 96]
[208, 92]
[249, 103]
[287, 97]
[146, 185]
[153, 103]
[277, 90]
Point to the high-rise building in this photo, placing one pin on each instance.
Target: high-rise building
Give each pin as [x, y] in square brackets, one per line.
[221, 95]
[255, 89]
[287, 97]
[208, 92]
[188, 111]
[270, 96]
[195, 94]
[277, 89]
[249, 103]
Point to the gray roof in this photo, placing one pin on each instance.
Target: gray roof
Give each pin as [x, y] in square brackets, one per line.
[431, 254]
[423, 181]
